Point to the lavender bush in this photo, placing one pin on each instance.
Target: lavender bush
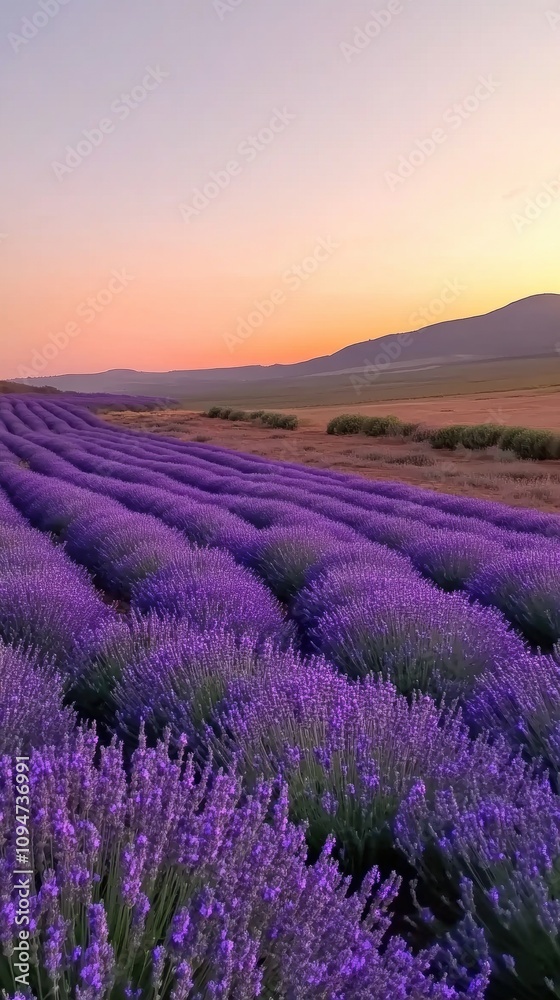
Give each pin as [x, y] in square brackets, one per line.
[496, 849]
[31, 703]
[349, 753]
[526, 587]
[179, 681]
[416, 636]
[162, 887]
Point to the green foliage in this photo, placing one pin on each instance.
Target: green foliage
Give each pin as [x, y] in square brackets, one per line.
[381, 426]
[508, 437]
[481, 436]
[524, 442]
[346, 423]
[355, 423]
[447, 437]
[408, 429]
[531, 444]
[284, 421]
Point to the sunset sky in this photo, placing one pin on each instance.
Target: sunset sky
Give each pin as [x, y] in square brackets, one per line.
[318, 228]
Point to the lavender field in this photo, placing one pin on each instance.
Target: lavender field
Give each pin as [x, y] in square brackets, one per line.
[267, 731]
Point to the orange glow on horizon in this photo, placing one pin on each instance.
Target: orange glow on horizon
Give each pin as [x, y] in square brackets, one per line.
[424, 161]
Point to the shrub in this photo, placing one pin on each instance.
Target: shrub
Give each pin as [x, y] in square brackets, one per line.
[408, 429]
[214, 411]
[237, 415]
[31, 703]
[508, 437]
[283, 421]
[496, 849]
[534, 444]
[379, 426]
[451, 558]
[415, 636]
[521, 698]
[284, 556]
[346, 423]
[481, 436]
[447, 437]
[256, 414]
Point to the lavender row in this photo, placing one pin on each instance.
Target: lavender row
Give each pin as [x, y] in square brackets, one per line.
[523, 584]
[205, 894]
[388, 777]
[459, 655]
[136, 558]
[88, 400]
[499, 515]
[47, 604]
[47, 608]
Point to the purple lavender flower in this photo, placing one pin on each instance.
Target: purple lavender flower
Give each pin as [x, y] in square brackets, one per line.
[416, 636]
[208, 589]
[354, 571]
[495, 848]
[180, 678]
[284, 556]
[229, 905]
[47, 612]
[31, 709]
[526, 587]
[350, 753]
[521, 699]
[451, 558]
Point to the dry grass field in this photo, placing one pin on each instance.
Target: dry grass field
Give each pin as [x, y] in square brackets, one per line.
[369, 386]
[490, 474]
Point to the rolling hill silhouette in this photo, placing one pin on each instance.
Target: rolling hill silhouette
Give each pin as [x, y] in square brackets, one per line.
[529, 327]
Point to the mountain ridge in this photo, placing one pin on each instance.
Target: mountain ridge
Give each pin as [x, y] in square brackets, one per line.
[527, 327]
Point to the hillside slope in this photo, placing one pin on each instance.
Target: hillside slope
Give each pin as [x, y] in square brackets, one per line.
[527, 328]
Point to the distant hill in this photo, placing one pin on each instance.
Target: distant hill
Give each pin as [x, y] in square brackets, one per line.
[527, 328]
[18, 387]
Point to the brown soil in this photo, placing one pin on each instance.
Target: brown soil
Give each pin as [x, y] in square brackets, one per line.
[538, 408]
[491, 474]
